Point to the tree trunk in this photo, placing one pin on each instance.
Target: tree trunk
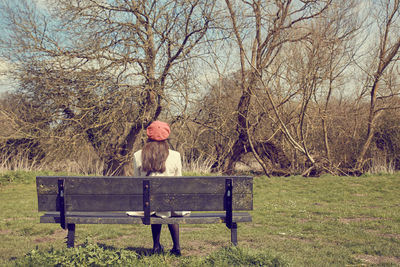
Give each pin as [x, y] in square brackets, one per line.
[119, 163]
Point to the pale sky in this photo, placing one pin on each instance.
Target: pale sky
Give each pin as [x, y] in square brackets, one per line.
[5, 82]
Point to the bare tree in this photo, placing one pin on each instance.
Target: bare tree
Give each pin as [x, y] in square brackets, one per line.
[387, 56]
[317, 70]
[274, 25]
[102, 69]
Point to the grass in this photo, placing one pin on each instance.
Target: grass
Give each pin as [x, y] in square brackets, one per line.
[327, 221]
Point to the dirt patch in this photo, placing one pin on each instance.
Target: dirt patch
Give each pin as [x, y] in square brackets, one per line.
[199, 248]
[395, 236]
[283, 236]
[58, 234]
[19, 218]
[387, 235]
[378, 259]
[5, 232]
[356, 220]
[190, 229]
[304, 220]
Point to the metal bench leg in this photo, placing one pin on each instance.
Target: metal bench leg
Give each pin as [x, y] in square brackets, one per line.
[234, 234]
[71, 235]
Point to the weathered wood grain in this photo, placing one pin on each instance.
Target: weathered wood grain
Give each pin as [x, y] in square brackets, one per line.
[122, 218]
[126, 193]
[133, 185]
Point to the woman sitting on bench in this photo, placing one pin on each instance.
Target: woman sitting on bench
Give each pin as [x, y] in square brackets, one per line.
[156, 159]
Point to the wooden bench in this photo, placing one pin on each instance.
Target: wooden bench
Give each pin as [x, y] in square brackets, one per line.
[105, 200]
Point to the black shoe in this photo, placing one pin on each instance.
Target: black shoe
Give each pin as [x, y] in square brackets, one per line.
[158, 250]
[175, 252]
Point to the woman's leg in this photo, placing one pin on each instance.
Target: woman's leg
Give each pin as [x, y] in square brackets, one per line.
[156, 233]
[174, 230]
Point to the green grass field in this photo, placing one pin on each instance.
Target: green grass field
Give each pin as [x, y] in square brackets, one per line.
[326, 221]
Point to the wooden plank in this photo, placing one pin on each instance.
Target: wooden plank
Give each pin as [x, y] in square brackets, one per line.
[133, 185]
[193, 202]
[198, 202]
[103, 186]
[53, 217]
[47, 202]
[159, 202]
[122, 218]
[242, 202]
[91, 184]
[103, 202]
[135, 203]
[47, 185]
[199, 185]
[47, 190]
[242, 185]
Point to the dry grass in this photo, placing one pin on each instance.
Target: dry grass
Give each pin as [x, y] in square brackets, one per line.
[381, 165]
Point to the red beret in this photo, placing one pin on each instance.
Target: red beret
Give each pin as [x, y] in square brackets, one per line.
[158, 131]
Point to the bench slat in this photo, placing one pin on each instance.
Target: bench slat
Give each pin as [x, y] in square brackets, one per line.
[198, 202]
[159, 202]
[103, 202]
[47, 203]
[122, 218]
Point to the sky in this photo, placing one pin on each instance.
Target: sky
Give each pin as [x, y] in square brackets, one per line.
[6, 83]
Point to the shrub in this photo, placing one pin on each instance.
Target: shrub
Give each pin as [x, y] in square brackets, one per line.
[16, 176]
[87, 255]
[94, 255]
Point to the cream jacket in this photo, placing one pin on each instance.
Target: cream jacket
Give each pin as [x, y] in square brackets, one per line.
[173, 167]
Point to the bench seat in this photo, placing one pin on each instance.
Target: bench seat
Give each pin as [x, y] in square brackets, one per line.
[122, 218]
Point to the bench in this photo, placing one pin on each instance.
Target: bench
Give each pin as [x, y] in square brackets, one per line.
[69, 201]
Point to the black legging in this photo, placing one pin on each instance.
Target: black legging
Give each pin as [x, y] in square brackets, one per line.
[156, 233]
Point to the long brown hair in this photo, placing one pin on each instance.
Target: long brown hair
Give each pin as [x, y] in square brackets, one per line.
[154, 155]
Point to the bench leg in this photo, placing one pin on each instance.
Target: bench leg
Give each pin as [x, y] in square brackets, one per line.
[71, 235]
[234, 234]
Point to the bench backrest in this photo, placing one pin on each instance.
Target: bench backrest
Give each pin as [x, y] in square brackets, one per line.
[101, 194]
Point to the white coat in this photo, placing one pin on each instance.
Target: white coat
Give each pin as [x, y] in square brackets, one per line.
[173, 167]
